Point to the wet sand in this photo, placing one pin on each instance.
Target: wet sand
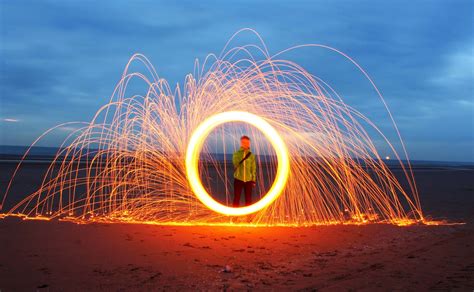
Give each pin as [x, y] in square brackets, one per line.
[62, 256]
[66, 256]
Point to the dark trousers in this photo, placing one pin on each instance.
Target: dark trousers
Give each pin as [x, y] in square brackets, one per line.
[238, 186]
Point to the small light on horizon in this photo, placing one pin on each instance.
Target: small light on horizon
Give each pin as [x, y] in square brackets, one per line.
[387, 157]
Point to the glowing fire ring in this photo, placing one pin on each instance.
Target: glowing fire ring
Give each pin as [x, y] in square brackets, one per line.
[194, 148]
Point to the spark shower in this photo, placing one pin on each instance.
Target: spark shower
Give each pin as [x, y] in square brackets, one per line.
[144, 154]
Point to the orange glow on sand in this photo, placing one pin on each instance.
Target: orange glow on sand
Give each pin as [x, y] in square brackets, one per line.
[137, 160]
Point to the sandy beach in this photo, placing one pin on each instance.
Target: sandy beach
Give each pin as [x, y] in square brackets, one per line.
[53, 256]
[63, 256]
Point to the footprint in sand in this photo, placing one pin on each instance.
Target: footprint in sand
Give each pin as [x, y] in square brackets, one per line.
[45, 271]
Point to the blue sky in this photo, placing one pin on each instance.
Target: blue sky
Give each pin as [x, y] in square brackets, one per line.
[60, 60]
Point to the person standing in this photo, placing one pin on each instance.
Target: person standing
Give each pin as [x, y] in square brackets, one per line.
[245, 170]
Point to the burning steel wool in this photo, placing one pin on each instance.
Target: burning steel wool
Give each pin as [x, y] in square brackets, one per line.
[150, 156]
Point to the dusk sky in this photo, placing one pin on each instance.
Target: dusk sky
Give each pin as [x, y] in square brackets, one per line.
[60, 61]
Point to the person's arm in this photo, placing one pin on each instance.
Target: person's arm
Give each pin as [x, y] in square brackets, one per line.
[235, 159]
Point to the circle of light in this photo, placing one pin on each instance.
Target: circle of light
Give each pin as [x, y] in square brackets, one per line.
[194, 148]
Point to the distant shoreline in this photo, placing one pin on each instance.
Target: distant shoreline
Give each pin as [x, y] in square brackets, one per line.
[40, 154]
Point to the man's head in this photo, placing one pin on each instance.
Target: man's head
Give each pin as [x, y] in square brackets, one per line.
[245, 142]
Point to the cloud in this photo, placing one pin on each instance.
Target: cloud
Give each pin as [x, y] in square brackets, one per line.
[9, 120]
[457, 68]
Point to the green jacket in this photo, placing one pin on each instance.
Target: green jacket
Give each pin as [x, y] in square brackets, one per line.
[247, 170]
